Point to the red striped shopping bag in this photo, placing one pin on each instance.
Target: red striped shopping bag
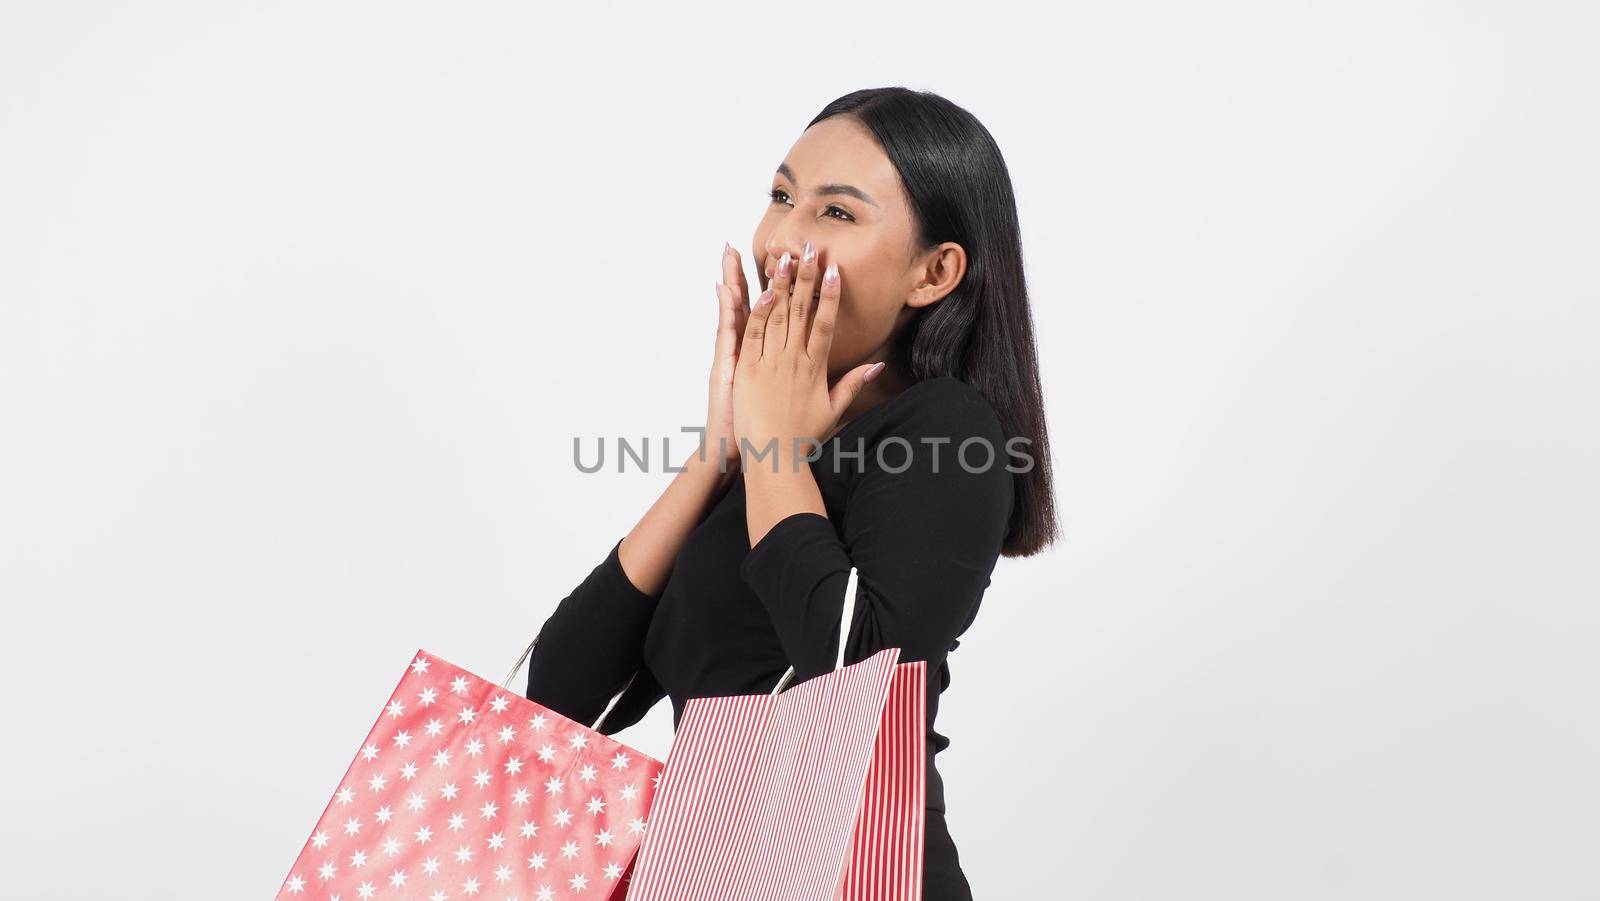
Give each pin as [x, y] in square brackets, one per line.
[817, 793]
[465, 789]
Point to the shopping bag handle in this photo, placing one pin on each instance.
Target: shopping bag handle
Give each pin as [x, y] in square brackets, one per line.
[527, 652]
[850, 590]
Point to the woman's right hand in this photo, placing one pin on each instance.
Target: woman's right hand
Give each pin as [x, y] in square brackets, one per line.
[733, 309]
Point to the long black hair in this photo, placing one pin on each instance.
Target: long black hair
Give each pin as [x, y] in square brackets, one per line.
[982, 331]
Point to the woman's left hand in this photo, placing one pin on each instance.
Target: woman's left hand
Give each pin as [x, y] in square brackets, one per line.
[780, 387]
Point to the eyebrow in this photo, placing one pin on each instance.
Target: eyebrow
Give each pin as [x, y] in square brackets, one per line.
[848, 190]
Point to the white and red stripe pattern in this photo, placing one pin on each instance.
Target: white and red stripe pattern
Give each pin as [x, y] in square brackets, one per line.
[464, 790]
[886, 855]
[814, 794]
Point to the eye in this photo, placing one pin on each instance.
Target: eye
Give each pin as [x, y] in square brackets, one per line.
[779, 195]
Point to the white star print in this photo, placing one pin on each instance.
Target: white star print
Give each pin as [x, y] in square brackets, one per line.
[392, 824]
[636, 826]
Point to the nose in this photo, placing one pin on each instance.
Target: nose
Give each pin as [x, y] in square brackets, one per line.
[794, 245]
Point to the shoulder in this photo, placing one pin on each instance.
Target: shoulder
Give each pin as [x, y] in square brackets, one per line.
[941, 407]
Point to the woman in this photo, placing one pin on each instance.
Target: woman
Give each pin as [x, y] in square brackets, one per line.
[894, 331]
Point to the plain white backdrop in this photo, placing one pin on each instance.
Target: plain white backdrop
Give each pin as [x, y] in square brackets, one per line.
[303, 305]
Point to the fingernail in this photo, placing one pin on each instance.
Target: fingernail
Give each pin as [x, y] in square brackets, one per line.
[726, 248]
[766, 297]
[808, 256]
[783, 264]
[873, 372]
[831, 276]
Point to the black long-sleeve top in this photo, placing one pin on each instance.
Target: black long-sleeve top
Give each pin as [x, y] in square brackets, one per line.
[923, 530]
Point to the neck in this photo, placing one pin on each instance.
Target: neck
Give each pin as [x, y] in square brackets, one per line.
[890, 382]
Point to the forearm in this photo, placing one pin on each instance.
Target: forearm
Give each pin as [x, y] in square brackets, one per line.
[650, 547]
[777, 488]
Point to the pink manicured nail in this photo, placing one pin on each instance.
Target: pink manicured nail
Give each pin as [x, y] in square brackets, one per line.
[766, 297]
[809, 255]
[831, 276]
[783, 264]
[872, 373]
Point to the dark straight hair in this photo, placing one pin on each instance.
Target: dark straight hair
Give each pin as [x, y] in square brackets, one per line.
[982, 332]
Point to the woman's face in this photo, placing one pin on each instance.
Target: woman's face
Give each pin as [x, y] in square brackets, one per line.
[838, 190]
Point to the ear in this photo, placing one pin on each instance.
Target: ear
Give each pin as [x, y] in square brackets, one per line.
[941, 272]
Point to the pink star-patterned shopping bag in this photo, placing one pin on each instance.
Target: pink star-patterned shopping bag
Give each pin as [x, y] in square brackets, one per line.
[465, 790]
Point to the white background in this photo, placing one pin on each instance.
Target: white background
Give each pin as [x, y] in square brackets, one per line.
[303, 305]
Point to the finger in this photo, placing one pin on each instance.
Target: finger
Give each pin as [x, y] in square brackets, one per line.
[727, 323]
[827, 314]
[755, 330]
[800, 298]
[778, 318]
[733, 276]
[850, 384]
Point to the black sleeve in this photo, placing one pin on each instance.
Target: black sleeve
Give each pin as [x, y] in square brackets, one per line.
[591, 645]
[924, 541]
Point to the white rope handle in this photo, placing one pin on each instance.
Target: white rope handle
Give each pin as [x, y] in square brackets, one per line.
[506, 682]
[845, 619]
